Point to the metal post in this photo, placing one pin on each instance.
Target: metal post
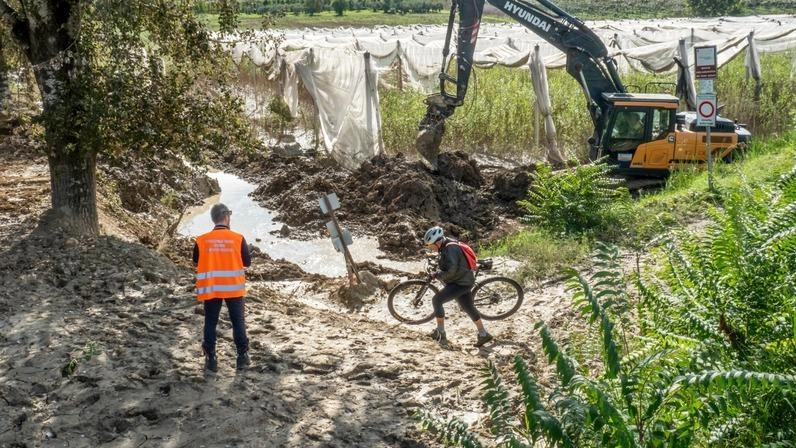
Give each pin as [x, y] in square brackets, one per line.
[709, 157]
[536, 122]
[349, 260]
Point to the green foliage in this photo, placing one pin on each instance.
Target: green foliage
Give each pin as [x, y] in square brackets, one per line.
[670, 387]
[713, 8]
[280, 112]
[152, 81]
[339, 7]
[581, 201]
[453, 432]
[543, 254]
[227, 15]
[90, 350]
[312, 7]
[738, 277]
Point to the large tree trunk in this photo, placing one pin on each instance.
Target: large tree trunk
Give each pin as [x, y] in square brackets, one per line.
[47, 30]
[72, 168]
[74, 192]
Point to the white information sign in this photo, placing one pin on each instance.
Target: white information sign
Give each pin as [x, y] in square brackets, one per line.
[705, 62]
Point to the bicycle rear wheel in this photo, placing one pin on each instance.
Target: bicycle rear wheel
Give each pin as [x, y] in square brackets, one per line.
[410, 301]
[497, 297]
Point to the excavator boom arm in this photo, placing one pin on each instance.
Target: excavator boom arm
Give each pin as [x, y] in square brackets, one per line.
[587, 61]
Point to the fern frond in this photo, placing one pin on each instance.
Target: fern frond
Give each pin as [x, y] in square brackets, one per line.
[784, 241]
[539, 423]
[641, 359]
[500, 413]
[726, 431]
[735, 378]
[779, 444]
[565, 366]
[615, 425]
[780, 219]
[590, 305]
[786, 186]
[452, 432]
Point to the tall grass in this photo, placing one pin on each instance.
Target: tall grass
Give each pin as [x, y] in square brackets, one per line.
[774, 112]
[497, 117]
[542, 254]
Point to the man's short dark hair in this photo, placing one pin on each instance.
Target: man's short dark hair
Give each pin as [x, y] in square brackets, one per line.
[218, 212]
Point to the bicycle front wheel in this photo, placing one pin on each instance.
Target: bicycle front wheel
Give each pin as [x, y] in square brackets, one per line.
[410, 301]
[497, 297]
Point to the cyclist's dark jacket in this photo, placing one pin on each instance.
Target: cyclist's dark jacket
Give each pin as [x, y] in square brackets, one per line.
[453, 266]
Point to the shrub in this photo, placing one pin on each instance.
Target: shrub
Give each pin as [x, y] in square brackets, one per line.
[581, 201]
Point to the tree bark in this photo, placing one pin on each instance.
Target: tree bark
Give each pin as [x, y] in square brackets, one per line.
[74, 191]
[5, 92]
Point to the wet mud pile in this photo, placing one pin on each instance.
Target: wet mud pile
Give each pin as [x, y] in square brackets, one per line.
[392, 197]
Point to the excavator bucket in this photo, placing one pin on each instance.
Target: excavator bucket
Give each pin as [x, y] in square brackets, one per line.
[432, 126]
[427, 144]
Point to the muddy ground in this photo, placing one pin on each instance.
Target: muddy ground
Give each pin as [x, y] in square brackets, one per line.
[398, 197]
[100, 337]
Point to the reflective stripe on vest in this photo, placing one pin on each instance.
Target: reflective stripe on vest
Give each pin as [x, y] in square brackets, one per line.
[220, 273]
[211, 274]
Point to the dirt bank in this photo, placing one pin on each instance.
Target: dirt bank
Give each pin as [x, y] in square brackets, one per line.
[389, 196]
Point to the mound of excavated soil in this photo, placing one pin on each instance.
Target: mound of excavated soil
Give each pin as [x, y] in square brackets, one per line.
[392, 197]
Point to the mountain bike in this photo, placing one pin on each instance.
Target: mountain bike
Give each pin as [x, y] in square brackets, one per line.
[495, 297]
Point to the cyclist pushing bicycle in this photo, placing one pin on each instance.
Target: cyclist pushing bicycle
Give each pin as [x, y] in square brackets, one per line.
[454, 271]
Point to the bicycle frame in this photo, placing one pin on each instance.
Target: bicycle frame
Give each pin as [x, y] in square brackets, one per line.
[431, 265]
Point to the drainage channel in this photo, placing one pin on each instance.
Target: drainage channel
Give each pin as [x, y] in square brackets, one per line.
[256, 224]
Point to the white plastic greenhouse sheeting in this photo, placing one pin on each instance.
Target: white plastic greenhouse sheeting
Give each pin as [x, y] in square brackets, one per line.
[331, 66]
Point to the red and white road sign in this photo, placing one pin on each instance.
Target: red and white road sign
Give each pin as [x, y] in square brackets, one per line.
[706, 109]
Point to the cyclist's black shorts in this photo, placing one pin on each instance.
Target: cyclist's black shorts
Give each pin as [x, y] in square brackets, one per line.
[463, 296]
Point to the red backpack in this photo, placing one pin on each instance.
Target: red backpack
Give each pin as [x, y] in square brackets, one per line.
[469, 254]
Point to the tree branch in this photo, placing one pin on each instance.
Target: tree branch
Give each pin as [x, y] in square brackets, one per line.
[19, 28]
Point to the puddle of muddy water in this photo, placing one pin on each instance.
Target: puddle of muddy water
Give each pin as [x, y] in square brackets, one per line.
[256, 223]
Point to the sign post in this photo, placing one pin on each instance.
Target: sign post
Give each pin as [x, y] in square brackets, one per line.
[705, 70]
[341, 238]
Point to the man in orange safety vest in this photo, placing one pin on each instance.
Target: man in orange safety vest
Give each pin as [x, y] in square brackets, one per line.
[220, 257]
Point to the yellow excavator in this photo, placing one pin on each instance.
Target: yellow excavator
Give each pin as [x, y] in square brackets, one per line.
[640, 134]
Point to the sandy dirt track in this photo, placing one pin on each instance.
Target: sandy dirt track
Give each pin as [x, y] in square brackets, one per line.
[100, 346]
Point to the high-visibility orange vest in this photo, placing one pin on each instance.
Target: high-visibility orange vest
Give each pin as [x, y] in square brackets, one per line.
[220, 273]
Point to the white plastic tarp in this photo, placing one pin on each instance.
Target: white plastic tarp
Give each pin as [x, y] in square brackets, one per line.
[539, 81]
[341, 85]
[644, 45]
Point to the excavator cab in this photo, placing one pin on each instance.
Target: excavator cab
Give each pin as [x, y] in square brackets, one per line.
[639, 137]
[645, 136]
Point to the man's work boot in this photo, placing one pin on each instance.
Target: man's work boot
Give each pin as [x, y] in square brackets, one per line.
[242, 361]
[211, 363]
